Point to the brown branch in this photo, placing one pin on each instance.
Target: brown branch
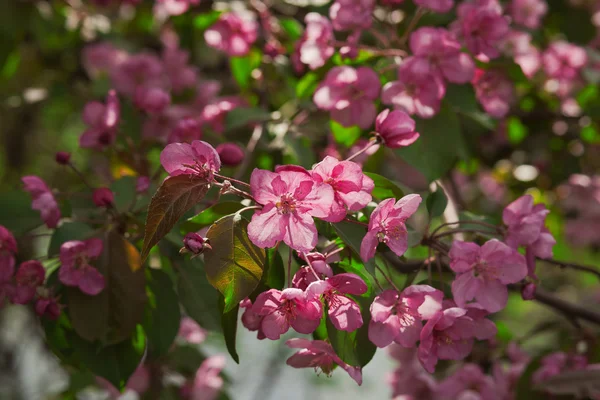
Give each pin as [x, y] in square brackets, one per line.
[577, 267]
[566, 308]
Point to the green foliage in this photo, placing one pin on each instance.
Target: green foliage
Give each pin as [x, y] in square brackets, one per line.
[229, 322]
[239, 117]
[352, 235]
[344, 135]
[68, 231]
[436, 203]
[384, 188]
[212, 214]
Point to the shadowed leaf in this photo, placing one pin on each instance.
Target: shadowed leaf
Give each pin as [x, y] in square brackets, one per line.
[229, 322]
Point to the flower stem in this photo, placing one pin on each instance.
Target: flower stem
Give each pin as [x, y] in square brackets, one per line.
[371, 143]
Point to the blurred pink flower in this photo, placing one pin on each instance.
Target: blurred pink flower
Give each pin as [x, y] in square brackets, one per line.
[231, 154]
[315, 45]
[138, 70]
[43, 200]
[102, 120]
[469, 382]
[351, 15]
[528, 13]
[414, 93]
[232, 34]
[494, 91]
[190, 331]
[30, 275]
[75, 269]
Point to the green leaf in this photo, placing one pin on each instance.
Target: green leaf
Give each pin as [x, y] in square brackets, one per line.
[124, 191]
[173, 199]
[525, 389]
[307, 85]
[344, 135]
[68, 231]
[185, 359]
[16, 213]
[163, 316]
[213, 213]
[241, 116]
[235, 265]
[384, 188]
[274, 273]
[112, 315]
[517, 132]
[241, 68]
[352, 235]
[198, 298]
[204, 20]
[436, 203]
[229, 322]
[438, 147]
[292, 28]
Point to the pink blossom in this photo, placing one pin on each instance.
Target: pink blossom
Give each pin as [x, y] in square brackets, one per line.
[528, 13]
[524, 220]
[138, 382]
[102, 120]
[43, 200]
[349, 93]
[290, 198]
[396, 129]
[251, 320]
[194, 243]
[158, 127]
[409, 380]
[47, 305]
[232, 34]
[176, 65]
[350, 49]
[231, 154]
[207, 383]
[448, 335]
[152, 100]
[483, 273]
[315, 45]
[343, 312]
[483, 328]
[305, 275]
[528, 291]
[76, 271]
[564, 61]
[318, 354]
[352, 188]
[138, 70]
[101, 58]
[518, 45]
[8, 249]
[351, 15]
[469, 382]
[103, 197]
[494, 91]
[215, 112]
[185, 130]
[190, 331]
[414, 93]
[555, 363]
[437, 52]
[142, 184]
[290, 307]
[29, 277]
[396, 317]
[481, 26]
[387, 226]
[176, 7]
[439, 6]
[198, 158]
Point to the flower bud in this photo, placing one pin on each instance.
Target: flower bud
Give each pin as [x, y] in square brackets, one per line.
[63, 157]
[142, 184]
[194, 243]
[528, 291]
[230, 154]
[47, 305]
[395, 128]
[103, 197]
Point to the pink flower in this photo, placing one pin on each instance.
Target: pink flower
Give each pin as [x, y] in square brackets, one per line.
[352, 188]
[102, 120]
[231, 154]
[482, 26]
[190, 331]
[318, 354]
[43, 200]
[555, 363]
[469, 382]
[396, 129]
[524, 221]
[103, 197]
[215, 112]
[483, 328]
[142, 184]
[343, 312]
[152, 100]
[409, 380]
[351, 15]
[483, 273]
[176, 65]
[251, 320]
[437, 52]
[348, 94]
[414, 93]
[396, 317]
[305, 275]
[207, 383]
[185, 130]
[439, 6]
[290, 307]
[76, 271]
[528, 13]
[232, 34]
[290, 198]
[198, 158]
[138, 70]
[101, 58]
[176, 7]
[47, 305]
[518, 45]
[138, 382]
[494, 91]
[315, 45]
[448, 335]
[387, 226]
[564, 61]
[29, 277]
[8, 249]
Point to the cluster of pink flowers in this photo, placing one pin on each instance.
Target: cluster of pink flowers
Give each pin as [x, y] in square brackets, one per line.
[43, 199]
[580, 198]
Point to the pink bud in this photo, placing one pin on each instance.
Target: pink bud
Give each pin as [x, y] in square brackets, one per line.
[47, 305]
[194, 243]
[142, 184]
[396, 128]
[230, 154]
[63, 157]
[528, 291]
[103, 197]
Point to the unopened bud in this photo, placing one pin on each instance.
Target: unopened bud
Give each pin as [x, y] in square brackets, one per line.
[194, 243]
[63, 157]
[528, 291]
[230, 154]
[103, 197]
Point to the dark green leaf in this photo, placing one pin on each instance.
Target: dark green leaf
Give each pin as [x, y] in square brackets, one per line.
[384, 188]
[124, 191]
[235, 265]
[344, 135]
[353, 235]
[525, 389]
[16, 213]
[213, 213]
[199, 299]
[185, 359]
[436, 203]
[229, 322]
[68, 231]
[242, 116]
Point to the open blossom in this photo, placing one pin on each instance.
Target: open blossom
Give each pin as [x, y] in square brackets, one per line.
[290, 307]
[409, 380]
[207, 382]
[414, 93]
[290, 200]
[75, 270]
[351, 187]
[469, 382]
[102, 120]
[175, 7]
[315, 45]
[318, 354]
[138, 70]
[198, 158]
[528, 13]
[437, 52]
[351, 15]
[100, 58]
[343, 312]
[43, 200]
[396, 317]
[349, 95]
[47, 305]
[555, 363]
[518, 45]
[483, 273]
[387, 226]
[30, 275]
[305, 275]
[563, 60]
[232, 34]
[251, 320]
[448, 335]
[176, 65]
[481, 26]
[439, 6]
[494, 91]
[396, 129]
[215, 112]
[190, 331]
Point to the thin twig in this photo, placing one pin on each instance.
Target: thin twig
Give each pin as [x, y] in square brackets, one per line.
[578, 267]
[387, 278]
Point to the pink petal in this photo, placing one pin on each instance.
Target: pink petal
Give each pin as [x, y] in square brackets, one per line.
[274, 325]
[345, 314]
[301, 232]
[91, 282]
[260, 185]
[94, 247]
[348, 283]
[383, 304]
[267, 227]
[69, 275]
[493, 296]
[399, 242]
[465, 287]
[409, 334]
[369, 245]
[381, 334]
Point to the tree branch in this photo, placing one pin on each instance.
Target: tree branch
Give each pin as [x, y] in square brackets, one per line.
[566, 308]
[578, 267]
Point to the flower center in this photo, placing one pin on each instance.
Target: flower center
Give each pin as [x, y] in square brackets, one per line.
[286, 204]
[288, 309]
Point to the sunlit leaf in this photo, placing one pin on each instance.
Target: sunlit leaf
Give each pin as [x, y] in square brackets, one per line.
[384, 188]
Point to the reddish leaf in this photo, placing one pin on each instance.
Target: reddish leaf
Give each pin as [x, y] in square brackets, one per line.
[173, 199]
